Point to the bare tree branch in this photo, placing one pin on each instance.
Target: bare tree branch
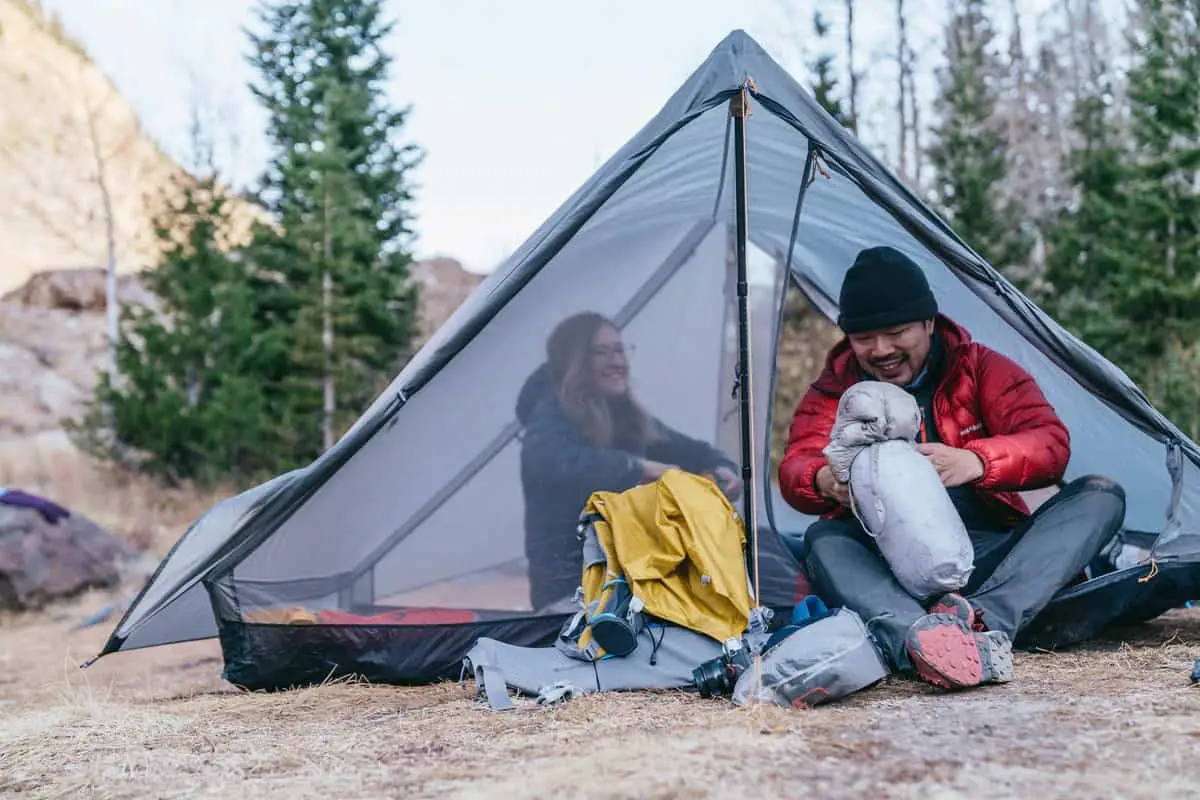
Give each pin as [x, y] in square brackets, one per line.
[902, 97]
[101, 161]
[853, 94]
[914, 114]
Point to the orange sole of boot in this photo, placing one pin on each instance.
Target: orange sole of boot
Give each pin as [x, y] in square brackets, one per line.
[945, 654]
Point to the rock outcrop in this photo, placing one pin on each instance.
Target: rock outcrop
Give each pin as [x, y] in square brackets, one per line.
[81, 289]
[49, 360]
[444, 284]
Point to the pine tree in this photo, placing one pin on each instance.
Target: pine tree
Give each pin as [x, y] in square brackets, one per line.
[1088, 263]
[1125, 264]
[824, 84]
[968, 154]
[1163, 226]
[188, 404]
[338, 187]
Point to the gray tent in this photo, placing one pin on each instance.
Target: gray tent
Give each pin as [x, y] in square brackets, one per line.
[407, 541]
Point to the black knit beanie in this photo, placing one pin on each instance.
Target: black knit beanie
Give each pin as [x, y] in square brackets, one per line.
[883, 288]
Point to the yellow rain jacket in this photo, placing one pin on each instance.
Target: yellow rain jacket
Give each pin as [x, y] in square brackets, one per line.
[680, 546]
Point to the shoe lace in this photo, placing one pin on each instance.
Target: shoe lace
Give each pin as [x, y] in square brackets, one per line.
[978, 625]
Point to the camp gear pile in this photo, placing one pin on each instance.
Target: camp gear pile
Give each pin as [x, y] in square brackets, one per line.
[665, 603]
[664, 584]
[673, 549]
[895, 492]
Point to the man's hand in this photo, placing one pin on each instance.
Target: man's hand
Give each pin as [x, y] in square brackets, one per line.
[954, 466]
[829, 487]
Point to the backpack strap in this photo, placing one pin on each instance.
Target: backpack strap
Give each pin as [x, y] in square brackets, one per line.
[490, 683]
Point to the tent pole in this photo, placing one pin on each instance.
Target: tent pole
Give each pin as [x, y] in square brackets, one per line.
[739, 109]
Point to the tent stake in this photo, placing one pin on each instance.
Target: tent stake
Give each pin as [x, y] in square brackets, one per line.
[739, 109]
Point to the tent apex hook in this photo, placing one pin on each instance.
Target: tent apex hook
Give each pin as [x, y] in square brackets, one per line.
[739, 104]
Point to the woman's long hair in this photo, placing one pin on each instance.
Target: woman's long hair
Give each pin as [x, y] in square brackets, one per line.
[568, 352]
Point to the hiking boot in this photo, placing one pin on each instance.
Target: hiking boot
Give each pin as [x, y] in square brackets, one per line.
[957, 605]
[947, 653]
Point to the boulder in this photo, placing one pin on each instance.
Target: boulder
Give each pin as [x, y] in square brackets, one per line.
[41, 562]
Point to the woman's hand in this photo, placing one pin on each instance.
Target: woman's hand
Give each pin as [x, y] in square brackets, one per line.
[653, 470]
[729, 482]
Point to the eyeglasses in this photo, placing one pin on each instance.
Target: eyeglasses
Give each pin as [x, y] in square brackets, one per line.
[609, 351]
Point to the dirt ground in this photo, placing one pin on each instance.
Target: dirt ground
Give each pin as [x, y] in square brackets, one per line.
[1116, 719]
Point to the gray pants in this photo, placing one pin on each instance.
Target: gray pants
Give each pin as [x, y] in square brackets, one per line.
[1016, 572]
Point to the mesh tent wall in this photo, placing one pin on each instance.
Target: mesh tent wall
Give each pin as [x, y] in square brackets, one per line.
[397, 548]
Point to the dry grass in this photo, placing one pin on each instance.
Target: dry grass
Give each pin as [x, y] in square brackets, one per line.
[1116, 719]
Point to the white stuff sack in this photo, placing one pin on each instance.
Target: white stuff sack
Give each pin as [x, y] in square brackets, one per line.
[896, 493]
[899, 499]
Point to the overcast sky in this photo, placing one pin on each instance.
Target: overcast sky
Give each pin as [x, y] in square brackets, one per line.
[515, 103]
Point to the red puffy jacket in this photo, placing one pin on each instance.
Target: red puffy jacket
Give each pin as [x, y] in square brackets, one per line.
[984, 403]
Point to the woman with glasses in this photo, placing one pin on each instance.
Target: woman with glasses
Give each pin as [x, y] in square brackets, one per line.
[584, 432]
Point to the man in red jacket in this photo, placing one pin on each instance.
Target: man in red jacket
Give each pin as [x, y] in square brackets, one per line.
[990, 434]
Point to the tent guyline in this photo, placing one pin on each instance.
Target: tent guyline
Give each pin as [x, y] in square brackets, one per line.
[422, 528]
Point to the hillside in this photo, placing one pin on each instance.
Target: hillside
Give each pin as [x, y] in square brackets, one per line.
[70, 148]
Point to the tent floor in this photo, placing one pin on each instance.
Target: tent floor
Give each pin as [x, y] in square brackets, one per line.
[265, 656]
[1128, 596]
